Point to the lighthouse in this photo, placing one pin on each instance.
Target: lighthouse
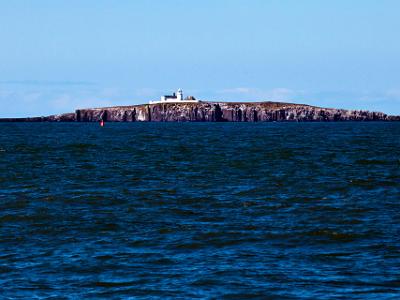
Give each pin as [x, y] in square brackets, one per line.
[179, 95]
[175, 98]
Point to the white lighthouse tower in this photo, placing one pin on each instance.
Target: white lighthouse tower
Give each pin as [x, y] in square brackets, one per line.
[175, 98]
[179, 95]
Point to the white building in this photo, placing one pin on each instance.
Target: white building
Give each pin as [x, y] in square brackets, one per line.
[175, 97]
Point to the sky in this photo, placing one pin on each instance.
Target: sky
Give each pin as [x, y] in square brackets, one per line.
[56, 56]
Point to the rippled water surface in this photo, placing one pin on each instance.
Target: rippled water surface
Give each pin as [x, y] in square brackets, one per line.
[197, 210]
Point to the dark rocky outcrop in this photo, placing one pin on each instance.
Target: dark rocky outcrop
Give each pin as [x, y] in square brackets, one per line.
[227, 112]
[214, 112]
[69, 117]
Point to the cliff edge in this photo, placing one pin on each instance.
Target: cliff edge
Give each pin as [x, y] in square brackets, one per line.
[213, 112]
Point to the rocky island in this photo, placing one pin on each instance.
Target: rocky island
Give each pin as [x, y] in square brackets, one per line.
[201, 111]
[176, 108]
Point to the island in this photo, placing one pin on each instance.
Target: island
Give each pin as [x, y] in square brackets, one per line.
[175, 108]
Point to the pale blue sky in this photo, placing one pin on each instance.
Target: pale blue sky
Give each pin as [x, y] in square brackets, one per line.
[56, 56]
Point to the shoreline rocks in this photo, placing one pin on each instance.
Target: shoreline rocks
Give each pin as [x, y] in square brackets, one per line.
[213, 112]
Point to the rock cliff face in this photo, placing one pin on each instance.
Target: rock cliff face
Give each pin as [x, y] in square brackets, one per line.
[227, 112]
[214, 112]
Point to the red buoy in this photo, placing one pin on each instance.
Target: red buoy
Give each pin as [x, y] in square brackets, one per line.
[102, 123]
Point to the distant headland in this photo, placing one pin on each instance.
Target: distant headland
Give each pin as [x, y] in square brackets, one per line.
[176, 108]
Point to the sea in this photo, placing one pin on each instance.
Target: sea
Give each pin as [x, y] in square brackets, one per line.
[200, 210]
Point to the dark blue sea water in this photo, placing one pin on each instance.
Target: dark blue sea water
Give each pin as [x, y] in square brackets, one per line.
[200, 210]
